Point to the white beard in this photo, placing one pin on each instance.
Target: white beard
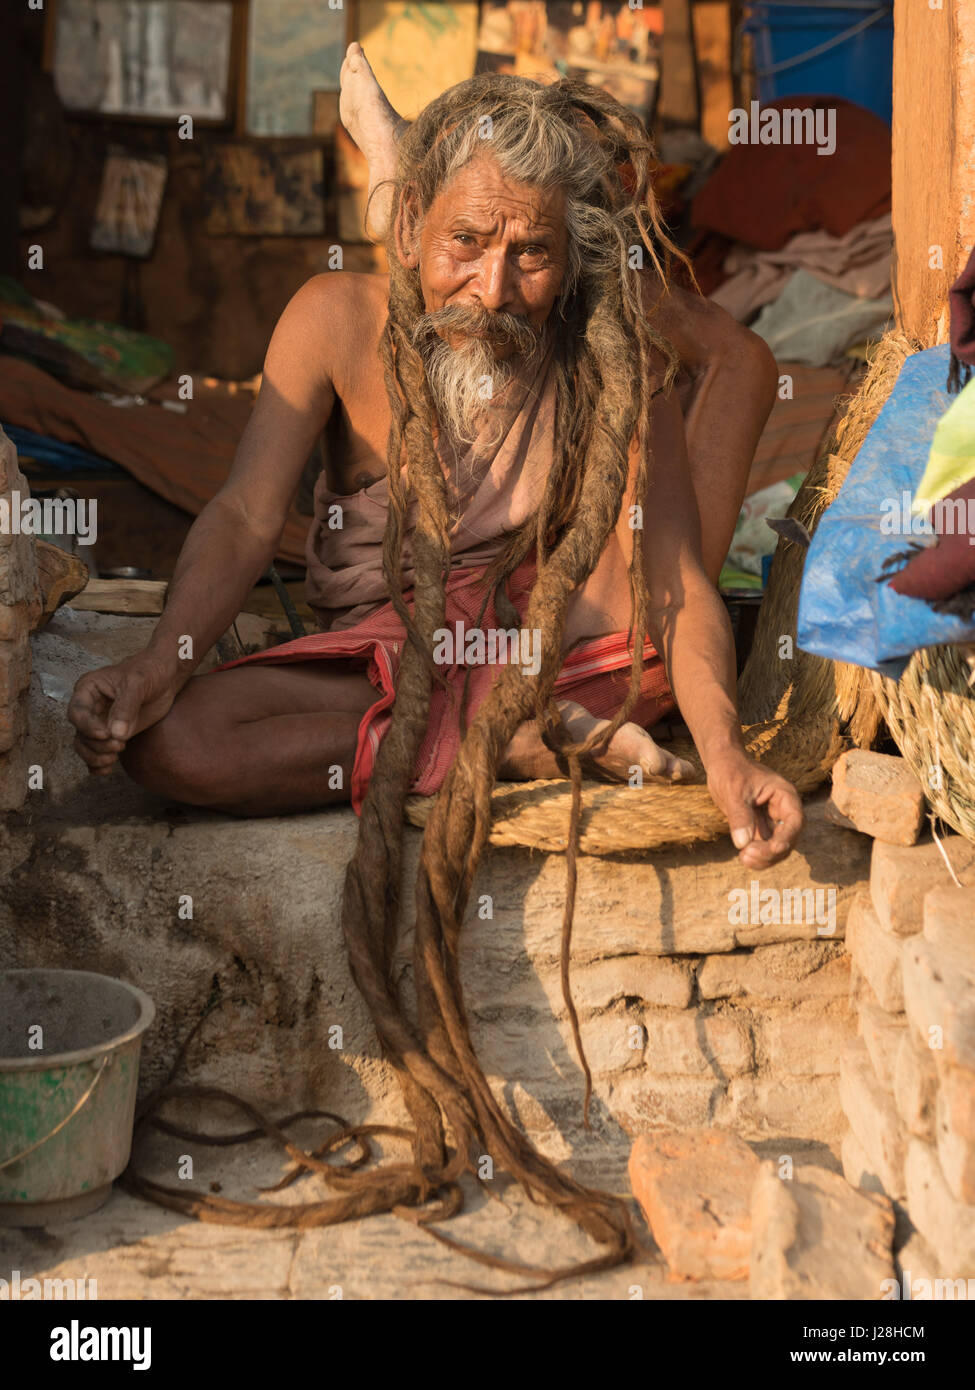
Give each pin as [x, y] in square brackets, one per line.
[466, 383]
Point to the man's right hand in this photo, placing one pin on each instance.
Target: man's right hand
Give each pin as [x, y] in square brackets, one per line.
[110, 706]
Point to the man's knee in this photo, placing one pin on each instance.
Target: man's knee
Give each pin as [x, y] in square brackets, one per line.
[177, 758]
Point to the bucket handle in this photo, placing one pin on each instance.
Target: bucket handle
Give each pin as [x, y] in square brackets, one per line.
[837, 39]
[6, 1163]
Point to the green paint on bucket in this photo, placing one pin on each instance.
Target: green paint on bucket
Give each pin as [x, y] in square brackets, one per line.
[69, 1067]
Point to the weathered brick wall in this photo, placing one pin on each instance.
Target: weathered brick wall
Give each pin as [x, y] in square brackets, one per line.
[908, 1083]
[19, 609]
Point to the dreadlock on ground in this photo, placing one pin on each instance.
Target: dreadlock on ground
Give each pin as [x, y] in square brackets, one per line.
[608, 357]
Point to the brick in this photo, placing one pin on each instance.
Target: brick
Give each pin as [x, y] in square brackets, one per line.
[786, 971]
[879, 795]
[694, 1188]
[693, 1045]
[598, 985]
[956, 1150]
[818, 1238]
[915, 1262]
[639, 1101]
[948, 918]
[803, 1045]
[915, 1087]
[508, 1044]
[857, 1168]
[947, 1225]
[876, 953]
[651, 979]
[873, 1118]
[957, 1091]
[882, 1033]
[900, 876]
[939, 998]
[777, 1107]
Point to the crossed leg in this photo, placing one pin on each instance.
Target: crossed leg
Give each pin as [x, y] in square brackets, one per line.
[272, 740]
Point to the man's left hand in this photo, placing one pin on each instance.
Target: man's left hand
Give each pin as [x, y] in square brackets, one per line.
[764, 810]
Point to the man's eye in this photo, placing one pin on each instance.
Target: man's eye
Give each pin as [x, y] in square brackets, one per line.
[464, 238]
[534, 251]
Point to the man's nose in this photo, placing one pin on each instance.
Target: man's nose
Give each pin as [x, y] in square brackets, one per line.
[495, 281]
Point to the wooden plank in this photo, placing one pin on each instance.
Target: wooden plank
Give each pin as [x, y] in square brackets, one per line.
[933, 161]
[134, 597]
[678, 104]
[712, 40]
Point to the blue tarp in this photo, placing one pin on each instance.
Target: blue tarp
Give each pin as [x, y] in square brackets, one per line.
[67, 458]
[843, 613]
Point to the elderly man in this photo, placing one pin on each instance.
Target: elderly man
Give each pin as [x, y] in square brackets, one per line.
[516, 344]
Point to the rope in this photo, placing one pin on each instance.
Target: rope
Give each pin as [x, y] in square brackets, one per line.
[834, 42]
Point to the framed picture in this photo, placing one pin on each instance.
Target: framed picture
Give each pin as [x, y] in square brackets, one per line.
[261, 189]
[146, 60]
[294, 48]
[129, 202]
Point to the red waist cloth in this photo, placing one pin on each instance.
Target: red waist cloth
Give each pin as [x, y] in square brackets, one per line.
[595, 673]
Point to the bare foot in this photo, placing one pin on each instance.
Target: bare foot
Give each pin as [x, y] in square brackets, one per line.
[376, 129]
[631, 750]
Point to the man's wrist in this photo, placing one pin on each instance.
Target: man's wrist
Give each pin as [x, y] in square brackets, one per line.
[720, 751]
[174, 669]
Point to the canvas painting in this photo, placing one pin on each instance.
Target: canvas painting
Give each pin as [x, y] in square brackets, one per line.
[158, 60]
[129, 203]
[418, 50]
[253, 190]
[294, 48]
[605, 42]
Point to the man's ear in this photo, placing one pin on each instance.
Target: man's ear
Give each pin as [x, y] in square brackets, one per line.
[406, 230]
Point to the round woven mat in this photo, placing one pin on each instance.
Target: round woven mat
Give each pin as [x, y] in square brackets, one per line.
[655, 816]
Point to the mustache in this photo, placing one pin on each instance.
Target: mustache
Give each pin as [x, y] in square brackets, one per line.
[500, 328]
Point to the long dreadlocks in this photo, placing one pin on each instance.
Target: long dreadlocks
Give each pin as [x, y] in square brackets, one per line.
[574, 136]
[580, 139]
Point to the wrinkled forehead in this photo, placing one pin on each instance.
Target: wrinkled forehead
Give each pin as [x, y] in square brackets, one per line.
[481, 189]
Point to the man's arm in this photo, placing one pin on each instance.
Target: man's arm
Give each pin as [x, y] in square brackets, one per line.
[690, 628]
[234, 538]
[726, 389]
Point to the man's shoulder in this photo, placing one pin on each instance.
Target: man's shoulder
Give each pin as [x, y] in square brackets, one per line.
[335, 319]
[347, 295]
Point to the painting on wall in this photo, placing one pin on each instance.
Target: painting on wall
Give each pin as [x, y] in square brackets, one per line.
[294, 48]
[155, 60]
[418, 50]
[257, 190]
[129, 202]
[605, 42]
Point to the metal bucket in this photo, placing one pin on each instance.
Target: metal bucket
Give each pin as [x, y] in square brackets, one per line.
[69, 1068]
